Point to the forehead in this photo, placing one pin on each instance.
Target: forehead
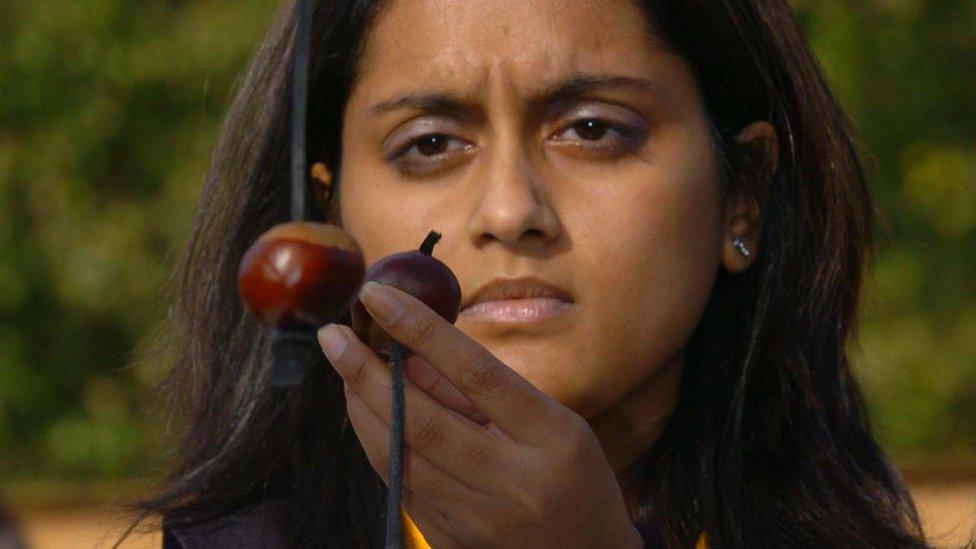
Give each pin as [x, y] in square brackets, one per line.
[465, 44]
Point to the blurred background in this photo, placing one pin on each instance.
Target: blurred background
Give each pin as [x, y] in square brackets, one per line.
[109, 110]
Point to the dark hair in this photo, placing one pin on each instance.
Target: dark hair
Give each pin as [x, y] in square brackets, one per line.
[769, 445]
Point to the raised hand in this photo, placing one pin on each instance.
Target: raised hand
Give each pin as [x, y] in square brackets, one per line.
[498, 463]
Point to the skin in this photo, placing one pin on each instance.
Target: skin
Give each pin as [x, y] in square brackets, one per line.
[610, 190]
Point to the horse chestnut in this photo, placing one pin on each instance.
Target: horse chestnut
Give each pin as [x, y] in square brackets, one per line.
[417, 273]
[301, 275]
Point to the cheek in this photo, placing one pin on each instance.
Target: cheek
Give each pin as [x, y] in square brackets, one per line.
[653, 266]
[368, 216]
[382, 218]
[387, 215]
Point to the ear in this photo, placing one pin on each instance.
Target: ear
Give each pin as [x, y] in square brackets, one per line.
[322, 175]
[753, 156]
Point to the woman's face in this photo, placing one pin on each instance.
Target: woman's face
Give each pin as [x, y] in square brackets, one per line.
[546, 138]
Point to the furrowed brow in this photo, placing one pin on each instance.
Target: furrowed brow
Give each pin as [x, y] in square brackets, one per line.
[575, 87]
[428, 103]
[565, 91]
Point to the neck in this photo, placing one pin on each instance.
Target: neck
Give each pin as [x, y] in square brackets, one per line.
[629, 428]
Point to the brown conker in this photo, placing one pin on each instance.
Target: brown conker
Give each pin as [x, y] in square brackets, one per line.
[417, 273]
[300, 275]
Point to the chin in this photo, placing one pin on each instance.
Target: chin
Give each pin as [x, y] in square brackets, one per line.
[554, 369]
[564, 384]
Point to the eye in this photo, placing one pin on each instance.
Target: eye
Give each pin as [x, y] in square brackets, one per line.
[433, 144]
[599, 138]
[428, 153]
[590, 130]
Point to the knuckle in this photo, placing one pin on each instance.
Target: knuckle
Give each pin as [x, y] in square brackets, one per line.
[477, 453]
[537, 506]
[435, 385]
[430, 433]
[577, 439]
[546, 506]
[481, 376]
[357, 370]
[422, 331]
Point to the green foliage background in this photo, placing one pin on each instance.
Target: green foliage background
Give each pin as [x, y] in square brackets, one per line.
[108, 111]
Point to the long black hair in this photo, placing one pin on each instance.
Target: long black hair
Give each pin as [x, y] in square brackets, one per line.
[769, 445]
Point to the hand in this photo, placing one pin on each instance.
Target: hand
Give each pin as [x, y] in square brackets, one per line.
[530, 474]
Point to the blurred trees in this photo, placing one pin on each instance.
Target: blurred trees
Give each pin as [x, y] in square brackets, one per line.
[108, 110]
[905, 71]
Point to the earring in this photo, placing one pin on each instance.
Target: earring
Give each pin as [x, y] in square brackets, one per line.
[741, 246]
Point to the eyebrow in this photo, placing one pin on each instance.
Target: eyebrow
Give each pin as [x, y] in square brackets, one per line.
[561, 92]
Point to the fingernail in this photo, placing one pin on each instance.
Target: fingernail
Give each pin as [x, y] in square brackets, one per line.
[333, 342]
[381, 301]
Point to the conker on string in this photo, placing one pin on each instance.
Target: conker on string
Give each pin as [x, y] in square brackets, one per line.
[417, 273]
[301, 275]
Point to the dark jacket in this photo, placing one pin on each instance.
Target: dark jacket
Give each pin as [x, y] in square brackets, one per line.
[253, 527]
[260, 527]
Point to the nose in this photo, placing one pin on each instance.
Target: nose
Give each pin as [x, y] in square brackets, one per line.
[513, 207]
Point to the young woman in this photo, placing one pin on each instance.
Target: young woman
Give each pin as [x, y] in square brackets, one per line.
[659, 223]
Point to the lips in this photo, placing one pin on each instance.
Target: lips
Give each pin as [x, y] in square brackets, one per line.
[524, 288]
[531, 310]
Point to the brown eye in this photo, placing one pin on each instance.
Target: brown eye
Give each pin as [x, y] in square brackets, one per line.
[433, 144]
[590, 130]
[600, 139]
[429, 153]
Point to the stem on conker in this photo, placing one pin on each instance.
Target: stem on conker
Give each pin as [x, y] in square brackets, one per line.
[428, 245]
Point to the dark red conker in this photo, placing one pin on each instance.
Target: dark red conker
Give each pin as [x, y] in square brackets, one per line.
[301, 275]
[417, 273]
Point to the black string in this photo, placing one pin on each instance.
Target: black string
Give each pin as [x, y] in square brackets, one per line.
[394, 528]
[289, 344]
[298, 107]
[289, 367]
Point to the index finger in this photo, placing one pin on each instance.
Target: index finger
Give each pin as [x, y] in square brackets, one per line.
[507, 399]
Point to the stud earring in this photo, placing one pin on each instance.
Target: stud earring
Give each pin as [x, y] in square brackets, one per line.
[741, 246]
